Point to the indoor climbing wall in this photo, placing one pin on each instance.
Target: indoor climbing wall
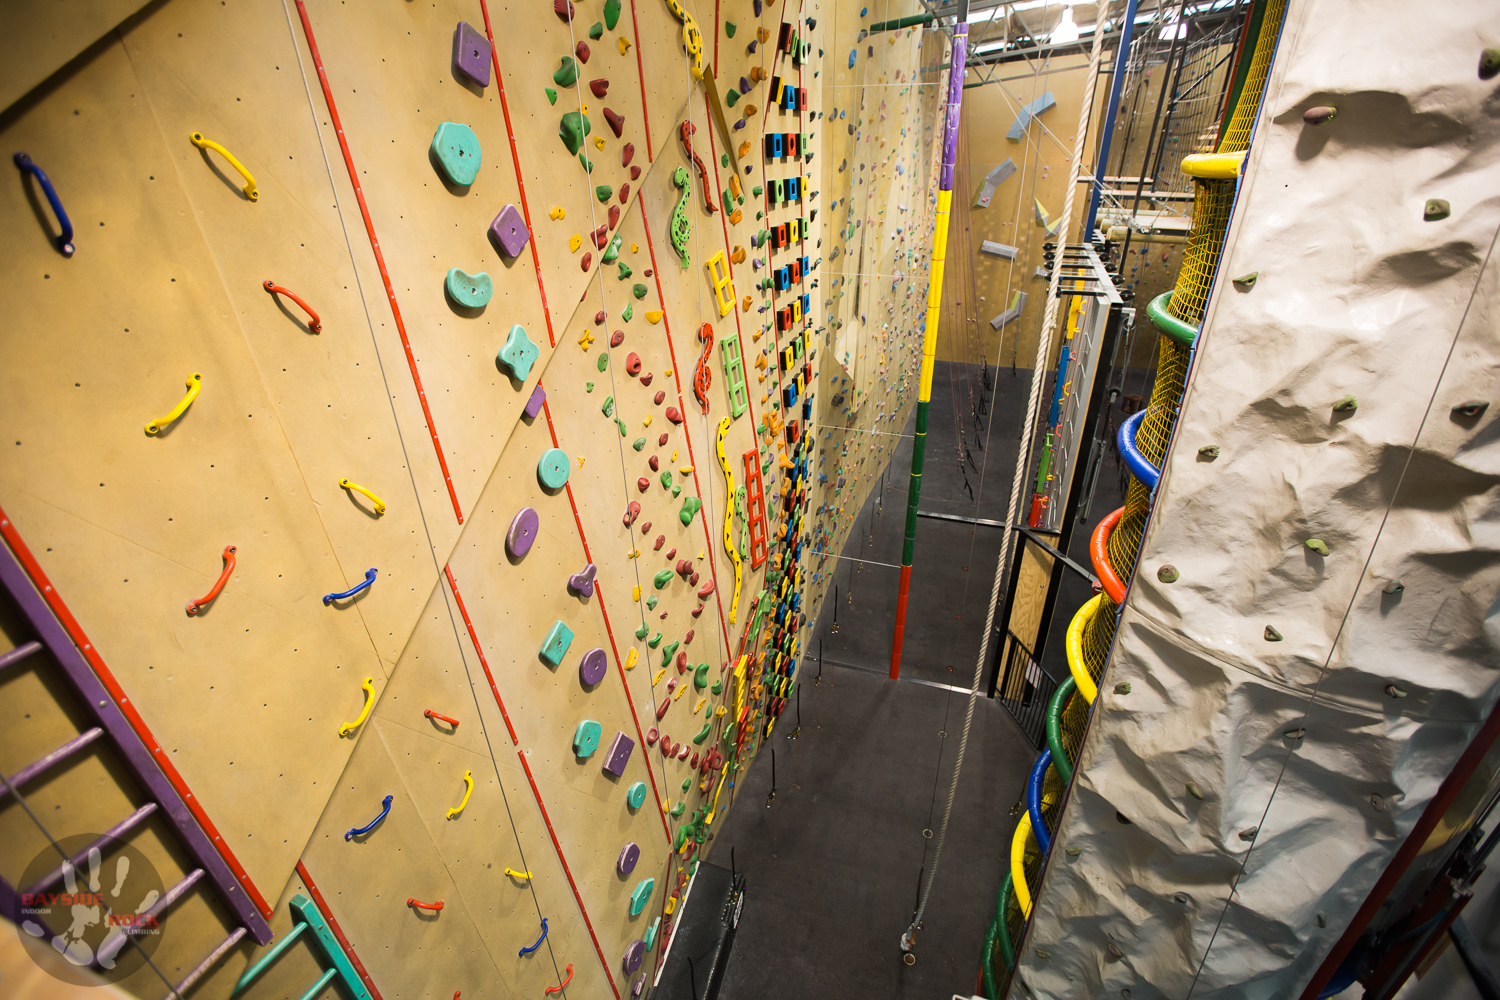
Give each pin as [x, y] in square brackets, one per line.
[418, 424]
[1309, 643]
[884, 97]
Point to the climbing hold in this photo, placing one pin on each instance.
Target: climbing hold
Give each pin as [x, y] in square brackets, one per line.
[551, 95]
[1317, 545]
[563, 9]
[599, 87]
[567, 73]
[674, 415]
[660, 580]
[519, 353]
[1393, 691]
[469, 290]
[552, 469]
[592, 667]
[705, 590]
[629, 855]
[559, 638]
[603, 192]
[456, 149]
[1347, 404]
[582, 582]
[1489, 63]
[631, 513]
[1319, 115]
[611, 13]
[586, 738]
[572, 129]
[1394, 587]
[1470, 409]
[632, 364]
[640, 895]
[1247, 280]
[1435, 209]
[622, 43]
[616, 121]
[1209, 451]
[1272, 635]
[620, 750]
[639, 291]
[582, 49]
[653, 316]
[574, 242]
[1167, 573]
[700, 676]
[1295, 734]
[1194, 790]
[471, 54]
[510, 232]
[596, 32]
[587, 262]
[1122, 688]
[690, 506]
[636, 794]
[522, 533]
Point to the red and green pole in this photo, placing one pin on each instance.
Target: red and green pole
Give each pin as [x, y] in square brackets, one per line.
[930, 329]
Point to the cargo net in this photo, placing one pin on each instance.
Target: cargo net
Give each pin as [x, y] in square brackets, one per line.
[1237, 134]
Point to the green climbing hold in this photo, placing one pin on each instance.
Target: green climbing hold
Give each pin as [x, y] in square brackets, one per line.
[621, 425]
[603, 192]
[690, 506]
[608, 407]
[700, 677]
[660, 580]
[732, 97]
[628, 312]
[671, 647]
[686, 784]
[567, 73]
[612, 252]
[573, 128]
[611, 13]
[651, 603]
[470, 290]
[1348, 404]
[758, 191]
[730, 28]
[639, 291]
[718, 687]
[625, 270]
[1272, 635]
[588, 387]
[723, 159]
[654, 641]
[640, 633]
[638, 444]
[666, 479]
[703, 733]
[1317, 545]
[676, 491]
[1435, 209]
[551, 95]
[597, 31]
[588, 164]
[603, 363]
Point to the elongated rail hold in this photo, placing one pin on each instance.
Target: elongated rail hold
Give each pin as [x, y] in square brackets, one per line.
[1139, 465]
[1099, 556]
[360, 831]
[528, 951]
[369, 579]
[1034, 800]
[515, 874]
[468, 790]
[194, 383]
[195, 606]
[63, 240]
[430, 714]
[559, 988]
[250, 189]
[369, 689]
[350, 484]
[417, 904]
[315, 324]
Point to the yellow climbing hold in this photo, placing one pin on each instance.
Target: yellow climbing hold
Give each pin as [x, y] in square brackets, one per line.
[580, 461]
[636, 596]
[654, 316]
[635, 248]
[557, 212]
[634, 553]
[574, 242]
[585, 340]
[656, 677]
[598, 142]
[624, 44]
[630, 658]
[647, 421]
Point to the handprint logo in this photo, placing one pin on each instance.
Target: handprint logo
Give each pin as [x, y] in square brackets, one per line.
[67, 909]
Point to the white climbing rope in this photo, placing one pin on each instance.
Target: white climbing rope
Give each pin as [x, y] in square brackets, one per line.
[1043, 351]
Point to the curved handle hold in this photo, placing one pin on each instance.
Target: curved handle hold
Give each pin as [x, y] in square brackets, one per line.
[558, 989]
[194, 606]
[64, 240]
[250, 190]
[369, 689]
[350, 484]
[430, 714]
[369, 579]
[417, 904]
[360, 831]
[316, 324]
[520, 875]
[194, 383]
[528, 951]
[468, 790]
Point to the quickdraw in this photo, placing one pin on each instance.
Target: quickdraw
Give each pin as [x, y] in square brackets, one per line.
[687, 131]
[703, 375]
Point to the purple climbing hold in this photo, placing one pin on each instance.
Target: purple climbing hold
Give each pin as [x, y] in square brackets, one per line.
[619, 755]
[582, 582]
[471, 54]
[757, 8]
[629, 855]
[510, 232]
[522, 533]
[745, 85]
[592, 667]
[534, 404]
[633, 956]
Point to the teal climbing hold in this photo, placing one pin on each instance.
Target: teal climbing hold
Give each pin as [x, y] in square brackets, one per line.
[690, 506]
[586, 738]
[573, 128]
[649, 938]
[558, 640]
[552, 470]
[636, 795]
[641, 895]
[456, 149]
[519, 353]
[471, 290]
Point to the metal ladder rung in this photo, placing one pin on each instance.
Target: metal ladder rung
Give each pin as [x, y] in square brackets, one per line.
[116, 940]
[19, 653]
[191, 979]
[62, 753]
[77, 861]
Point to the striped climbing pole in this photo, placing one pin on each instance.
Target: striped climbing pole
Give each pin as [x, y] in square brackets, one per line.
[930, 329]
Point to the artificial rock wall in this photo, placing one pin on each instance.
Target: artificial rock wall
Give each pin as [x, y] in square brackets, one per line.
[1312, 705]
[417, 386]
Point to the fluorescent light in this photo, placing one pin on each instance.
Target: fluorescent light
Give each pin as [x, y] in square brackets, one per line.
[1066, 31]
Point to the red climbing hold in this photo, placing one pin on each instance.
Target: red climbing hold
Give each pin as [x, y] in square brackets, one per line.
[632, 364]
[643, 484]
[563, 9]
[583, 52]
[631, 513]
[661, 442]
[672, 553]
[705, 590]
[660, 541]
[674, 414]
[601, 240]
[685, 568]
[646, 378]
[615, 339]
[698, 611]
[654, 462]
[614, 216]
[652, 736]
[600, 87]
[682, 663]
[660, 397]
[627, 154]
[635, 174]
[599, 319]
[616, 121]
[624, 193]
[587, 262]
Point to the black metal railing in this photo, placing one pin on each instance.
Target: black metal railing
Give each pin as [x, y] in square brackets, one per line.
[1025, 690]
